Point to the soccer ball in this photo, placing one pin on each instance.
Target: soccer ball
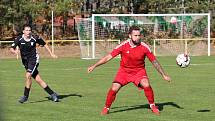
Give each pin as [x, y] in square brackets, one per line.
[183, 60]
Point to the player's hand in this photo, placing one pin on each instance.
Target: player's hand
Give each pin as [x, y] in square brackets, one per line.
[14, 51]
[167, 78]
[54, 56]
[90, 69]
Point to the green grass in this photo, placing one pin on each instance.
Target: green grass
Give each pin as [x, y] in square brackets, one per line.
[190, 96]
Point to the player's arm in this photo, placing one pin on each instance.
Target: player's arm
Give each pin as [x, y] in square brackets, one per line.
[41, 42]
[14, 51]
[100, 62]
[13, 48]
[50, 52]
[158, 67]
[116, 51]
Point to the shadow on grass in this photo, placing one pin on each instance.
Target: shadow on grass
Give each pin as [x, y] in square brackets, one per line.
[69, 95]
[59, 97]
[204, 110]
[146, 106]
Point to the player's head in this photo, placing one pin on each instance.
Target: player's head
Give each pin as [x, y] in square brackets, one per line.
[134, 34]
[27, 30]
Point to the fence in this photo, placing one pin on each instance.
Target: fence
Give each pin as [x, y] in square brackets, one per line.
[163, 47]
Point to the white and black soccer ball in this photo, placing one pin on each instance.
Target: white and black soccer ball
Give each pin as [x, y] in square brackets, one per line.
[183, 60]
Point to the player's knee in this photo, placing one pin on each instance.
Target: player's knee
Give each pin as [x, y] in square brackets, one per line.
[144, 83]
[116, 87]
[38, 79]
[28, 76]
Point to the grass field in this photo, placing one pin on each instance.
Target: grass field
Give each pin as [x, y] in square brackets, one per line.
[190, 96]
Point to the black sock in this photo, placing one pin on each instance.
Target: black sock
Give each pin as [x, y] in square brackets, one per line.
[48, 90]
[26, 92]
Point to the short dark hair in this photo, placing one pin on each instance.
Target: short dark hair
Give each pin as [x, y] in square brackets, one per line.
[26, 25]
[133, 28]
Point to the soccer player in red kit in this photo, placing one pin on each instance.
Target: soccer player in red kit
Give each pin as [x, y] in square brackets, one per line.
[132, 68]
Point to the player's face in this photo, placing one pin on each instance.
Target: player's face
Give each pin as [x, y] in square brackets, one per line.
[135, 37]
[27, 31]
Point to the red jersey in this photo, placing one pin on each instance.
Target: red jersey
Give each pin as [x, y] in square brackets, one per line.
[133, 56]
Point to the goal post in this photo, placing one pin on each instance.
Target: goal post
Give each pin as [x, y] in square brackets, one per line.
[94, 40]
[167, 34]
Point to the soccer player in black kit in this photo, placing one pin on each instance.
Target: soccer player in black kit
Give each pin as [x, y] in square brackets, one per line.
[30, 59]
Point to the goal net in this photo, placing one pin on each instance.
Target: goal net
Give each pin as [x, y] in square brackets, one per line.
[167, 34]
[94, 41]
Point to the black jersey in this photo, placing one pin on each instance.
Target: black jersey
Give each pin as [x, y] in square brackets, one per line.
[28, 48]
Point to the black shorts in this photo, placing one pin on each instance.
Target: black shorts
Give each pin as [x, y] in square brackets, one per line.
[31, 67]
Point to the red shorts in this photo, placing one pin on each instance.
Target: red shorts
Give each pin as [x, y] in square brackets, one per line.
[125, 76]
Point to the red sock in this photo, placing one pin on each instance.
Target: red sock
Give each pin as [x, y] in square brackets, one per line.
[149, 94]
[110, 98]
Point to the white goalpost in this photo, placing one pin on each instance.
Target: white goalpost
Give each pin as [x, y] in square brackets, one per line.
[91, 45]
[167, 34]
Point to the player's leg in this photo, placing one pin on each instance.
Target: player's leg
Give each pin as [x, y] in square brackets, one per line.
[145, 84]
[28, 82]
[140, 79]
[119, 81]
[39, 80]
[111, 96]
[42, 83]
